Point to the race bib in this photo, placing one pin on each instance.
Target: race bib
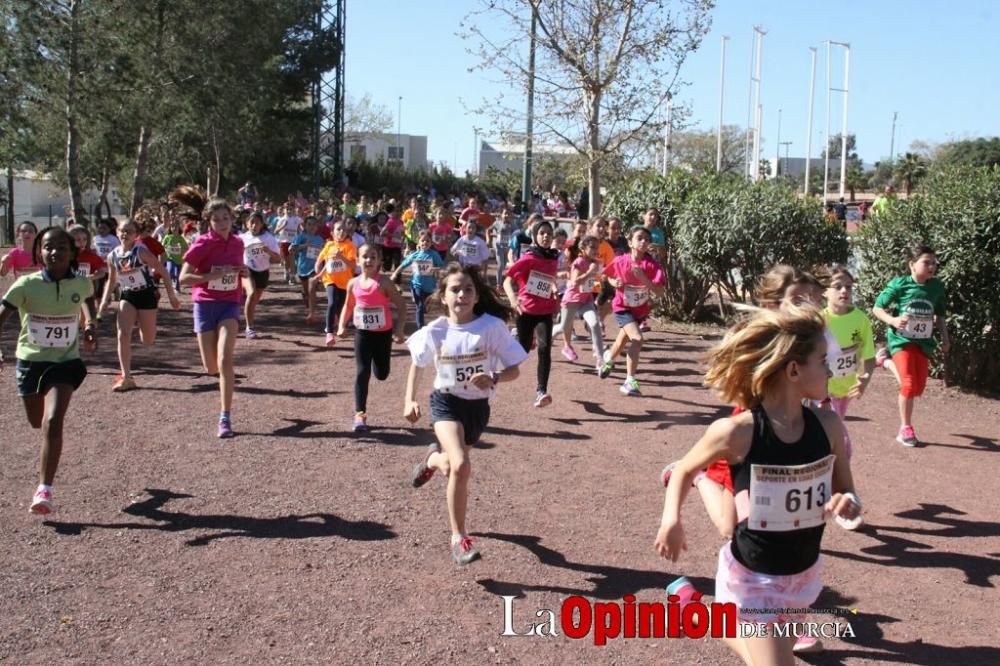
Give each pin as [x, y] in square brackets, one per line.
[469, 250]
[540, 284]
[423, 267]
[227, 282]
[369, 319]
[104, 248]
[173, 250]
[635, 296]
[257, 257]
[784, 498]
[312, 252]
[918, 328]
[83, 270]
[335, 266]
[846, 363]
[53, 330]
[131, 279]
[439, 239]
[459, 369]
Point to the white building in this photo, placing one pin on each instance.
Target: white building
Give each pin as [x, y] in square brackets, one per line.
[38, 199]
[406, 149]
[509, 155]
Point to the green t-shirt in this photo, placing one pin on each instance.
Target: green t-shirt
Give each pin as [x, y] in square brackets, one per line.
[50, 316]
[853, 332]
[921, 302]
[174, 246]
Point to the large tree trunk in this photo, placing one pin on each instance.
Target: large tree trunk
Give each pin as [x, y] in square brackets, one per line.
[593, 154]
[10, 205]
[72, 133]
[139, 175]
[102, 199]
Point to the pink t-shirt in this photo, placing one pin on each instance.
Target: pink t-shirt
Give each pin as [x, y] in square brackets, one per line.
[208, 251]
[537, 279]
[392, 233]
[634, 295]
[19, 262]
[441, 236]
[573, 293]
[371, 306]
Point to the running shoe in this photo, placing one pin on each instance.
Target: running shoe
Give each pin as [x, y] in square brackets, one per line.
[360, 422]
[542, 399]
[683, 588]
[122, 384]
[644, 328]
[665, 474]
[907, 437]
[607, 366]
[225, 429]
[421, 472]
[251, 334]
[41, 503]
[807, 645]
[576, 337]
[331, 339]
[569, 353]
[463, 552]
[849, 523]
[630, 387]
[881, 356]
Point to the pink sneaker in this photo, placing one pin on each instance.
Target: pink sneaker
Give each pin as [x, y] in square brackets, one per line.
[331, 339]
[907, 437]
[569, 353]
[41, 503]
[807, 645]
[881, 356]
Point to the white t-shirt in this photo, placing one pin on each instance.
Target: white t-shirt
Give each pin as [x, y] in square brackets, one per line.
[471, 252]
[104, 244]
[460, 351]
[253, 250]
[291, 228]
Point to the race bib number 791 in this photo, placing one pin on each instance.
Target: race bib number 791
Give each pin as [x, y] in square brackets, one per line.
[784, 498]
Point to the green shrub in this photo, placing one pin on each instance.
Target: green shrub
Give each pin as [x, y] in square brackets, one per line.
[956, 212]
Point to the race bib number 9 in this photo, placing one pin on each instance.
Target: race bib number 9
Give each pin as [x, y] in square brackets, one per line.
[53, 330]
[540, 284]
[369, 319]
[846, 363]
[459, 369]
[130, 280]
[918, 328]
[227, 282]
[635, 296]
[785, 498]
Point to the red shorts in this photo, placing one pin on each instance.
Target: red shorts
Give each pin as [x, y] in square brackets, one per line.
[719, 472]
[283, 249]
[913, 366]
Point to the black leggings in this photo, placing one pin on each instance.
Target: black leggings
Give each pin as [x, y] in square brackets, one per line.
[335, 297]
[371, 348]
[526, 325]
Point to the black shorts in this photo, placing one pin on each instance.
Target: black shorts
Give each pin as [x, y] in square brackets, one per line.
[260, 279]
[305, 278]
[142, 299]
[37, 377]
[474, 415]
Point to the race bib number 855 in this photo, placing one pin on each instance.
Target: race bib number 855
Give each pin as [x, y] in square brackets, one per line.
[784, 498]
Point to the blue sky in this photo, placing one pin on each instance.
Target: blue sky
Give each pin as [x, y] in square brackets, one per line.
[931, 61]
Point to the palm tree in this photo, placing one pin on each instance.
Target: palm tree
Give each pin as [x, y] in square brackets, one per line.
[909, 170]
[854, 179]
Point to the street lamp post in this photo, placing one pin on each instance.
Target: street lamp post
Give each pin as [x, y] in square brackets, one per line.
[399, 128]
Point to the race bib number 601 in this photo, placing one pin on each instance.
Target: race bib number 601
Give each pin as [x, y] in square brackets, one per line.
[784, 498]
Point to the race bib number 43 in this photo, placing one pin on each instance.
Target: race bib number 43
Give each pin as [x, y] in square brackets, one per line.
[784, 498]
[53, 330]
[918, 328]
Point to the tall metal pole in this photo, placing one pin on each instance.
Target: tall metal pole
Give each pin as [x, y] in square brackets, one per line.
[892, 139]
[475, 151]
[809, 132]
[747, 154]
[722, 97]
[526, 178]
[667, 135]
[843, 131]
[785, 144]
[777, 148]
[399, 127]
[826, 139]
[755, 166]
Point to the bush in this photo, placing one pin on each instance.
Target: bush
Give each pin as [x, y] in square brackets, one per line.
[957, 212]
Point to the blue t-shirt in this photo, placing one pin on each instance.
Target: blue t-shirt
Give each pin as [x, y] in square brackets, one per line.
[307, 252]
[425, 281]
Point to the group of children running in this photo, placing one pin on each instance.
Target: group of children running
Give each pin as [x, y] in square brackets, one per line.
[790, 368]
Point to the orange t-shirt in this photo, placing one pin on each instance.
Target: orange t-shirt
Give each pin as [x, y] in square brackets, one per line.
[605, 255]
[338, 272]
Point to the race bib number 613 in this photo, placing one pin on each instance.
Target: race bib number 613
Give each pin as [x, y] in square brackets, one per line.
[784, 498]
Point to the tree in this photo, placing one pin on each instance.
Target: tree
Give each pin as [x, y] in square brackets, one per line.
[909, 170]
[855, 179]
[971, 152]
[363, 116]
[695, 150]
[834, 145]
[602, 71]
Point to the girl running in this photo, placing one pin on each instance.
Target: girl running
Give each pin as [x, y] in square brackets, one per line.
[368, 298]
[260, 250]
[472, 352]
[769, 366]
[423, 281]
[912, 306]
[392, 239]
[131, 268]
[470, 249]
[335, 267]
[536, 302]
[212, 267]
[500, 234]
[174, 247]
[579, 300]
[441, 232]
[634, 276]
[305, 249]
[48, 356]
[105, 240]
[20, 260]
[287, 229]
[89, 263]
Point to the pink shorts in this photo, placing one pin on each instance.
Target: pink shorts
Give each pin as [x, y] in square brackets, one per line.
[765, 597]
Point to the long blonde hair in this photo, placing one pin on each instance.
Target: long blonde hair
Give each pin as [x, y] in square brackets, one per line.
[748, 362]
[195, 198]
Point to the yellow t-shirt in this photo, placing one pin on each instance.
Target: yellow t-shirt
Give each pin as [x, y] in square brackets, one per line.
[338, 272]
[853, 332]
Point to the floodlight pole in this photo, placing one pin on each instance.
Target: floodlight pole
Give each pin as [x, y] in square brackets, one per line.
[759, 40]
[826, 138]
[529, 130]
[722, 97]
[809, 132]
[777, 146]
[843, 131]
